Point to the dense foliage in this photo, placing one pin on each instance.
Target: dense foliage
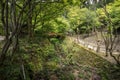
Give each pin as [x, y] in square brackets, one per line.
[37, 46]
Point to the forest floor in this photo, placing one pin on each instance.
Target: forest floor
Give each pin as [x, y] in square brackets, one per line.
[86, 65]
[68, 61]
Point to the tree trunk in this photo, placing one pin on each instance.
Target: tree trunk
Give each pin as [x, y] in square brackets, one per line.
[30, 27]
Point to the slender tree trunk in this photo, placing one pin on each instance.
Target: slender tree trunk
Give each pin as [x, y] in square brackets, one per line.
[5, 49]
[4, 18]
[30, 27]
[7, 12]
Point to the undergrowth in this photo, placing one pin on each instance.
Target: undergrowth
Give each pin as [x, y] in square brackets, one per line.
[53, 59]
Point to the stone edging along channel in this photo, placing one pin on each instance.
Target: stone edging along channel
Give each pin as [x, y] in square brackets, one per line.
[93, 48]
